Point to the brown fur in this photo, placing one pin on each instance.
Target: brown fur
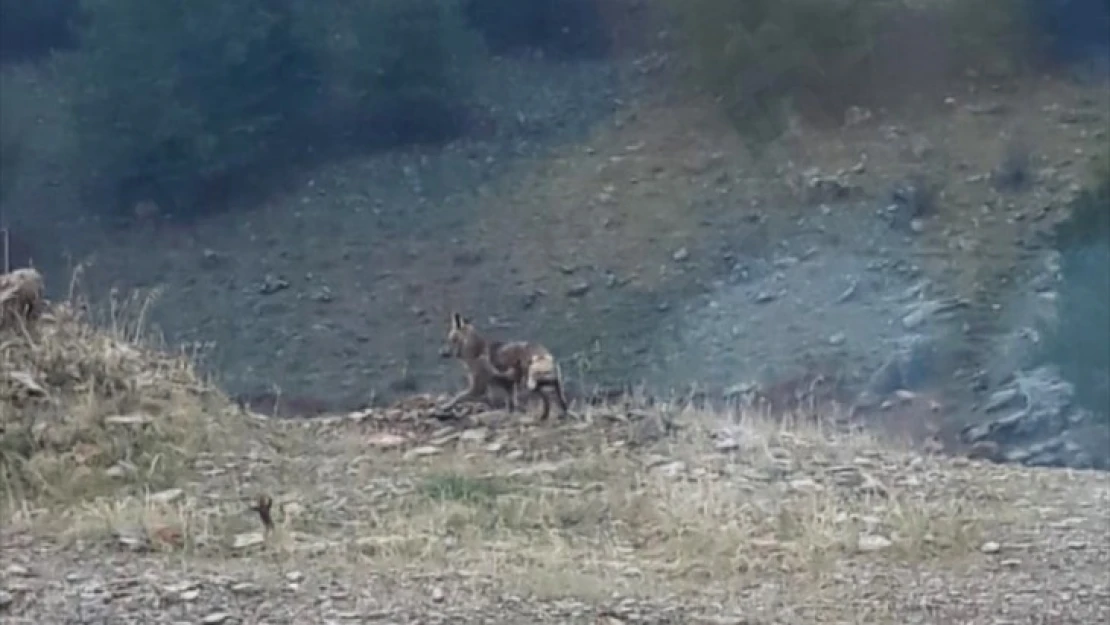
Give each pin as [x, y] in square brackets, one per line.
[507, 365]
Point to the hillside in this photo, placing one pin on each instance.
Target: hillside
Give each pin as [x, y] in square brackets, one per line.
[128, 483]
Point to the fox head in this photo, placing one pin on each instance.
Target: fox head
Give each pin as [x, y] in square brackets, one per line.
[461, 337]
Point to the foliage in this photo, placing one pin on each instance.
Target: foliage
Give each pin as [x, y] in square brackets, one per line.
[403, 68]
[560, 28]
[181, 103]
[765, 59]
[31, 29]
[760, 57]
[1080, 342]
[169, 98]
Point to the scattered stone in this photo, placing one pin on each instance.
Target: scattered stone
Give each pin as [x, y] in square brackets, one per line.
[6, 599]
[385, 440]
[578, 289]
[727, 444]
[27, 382]
[837, 339]
[272, 284]
[245, 588]
[215, 618]
[990, 547]
[211, 259]
[167, 496]
[16, 570]
[422, 451]
[869, 543]
[132, 538]
[130, 419]
[247, 539]
[438, 595]
[681, 255]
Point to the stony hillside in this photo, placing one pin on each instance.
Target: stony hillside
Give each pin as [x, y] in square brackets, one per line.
[134, 492]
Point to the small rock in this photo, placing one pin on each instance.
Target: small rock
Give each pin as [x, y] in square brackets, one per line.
[215, 618]
[15, 570]
[873, 542]
[129, 419]
[578, 289]
[422, 451]
[6, 599]
[210, 259]
[837, 339]
[763, 297]
[247, 539]
[245, 588]
[438, 595]
[167, 496]
[805, 485]
[294, 576]
[385, 440]
[673, 469]
[990, 547]
[681, 255]
[727, 444]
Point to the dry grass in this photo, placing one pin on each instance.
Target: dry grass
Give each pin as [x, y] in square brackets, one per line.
[90, 410]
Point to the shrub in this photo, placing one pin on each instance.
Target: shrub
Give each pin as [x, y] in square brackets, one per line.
[31, 29]
[400, 71]
[1080, 342]
[765, 58]
[560, 28]
[759, 57]
[177, 103]
[172, 97]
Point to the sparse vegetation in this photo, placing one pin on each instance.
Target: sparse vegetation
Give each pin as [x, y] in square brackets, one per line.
[112, 444]
[86, 412]
[765, 61]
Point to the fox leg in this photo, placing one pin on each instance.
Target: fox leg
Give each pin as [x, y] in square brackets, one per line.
[473, 392]
[546, 402]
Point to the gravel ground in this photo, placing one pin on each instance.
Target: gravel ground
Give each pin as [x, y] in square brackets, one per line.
[742, 523]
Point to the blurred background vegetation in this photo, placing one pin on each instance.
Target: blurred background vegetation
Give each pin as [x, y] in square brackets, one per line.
[184, 103]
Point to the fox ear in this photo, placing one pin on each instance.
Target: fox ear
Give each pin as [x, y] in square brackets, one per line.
[456, 320]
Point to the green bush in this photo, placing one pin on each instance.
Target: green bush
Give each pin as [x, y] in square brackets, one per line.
[181, 103]
[763, 59]
[30, 29]
[1080, 341]
[560, 28]
[399, 71]
[170, 98]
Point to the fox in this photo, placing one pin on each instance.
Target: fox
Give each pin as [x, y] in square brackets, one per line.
[506, 365]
